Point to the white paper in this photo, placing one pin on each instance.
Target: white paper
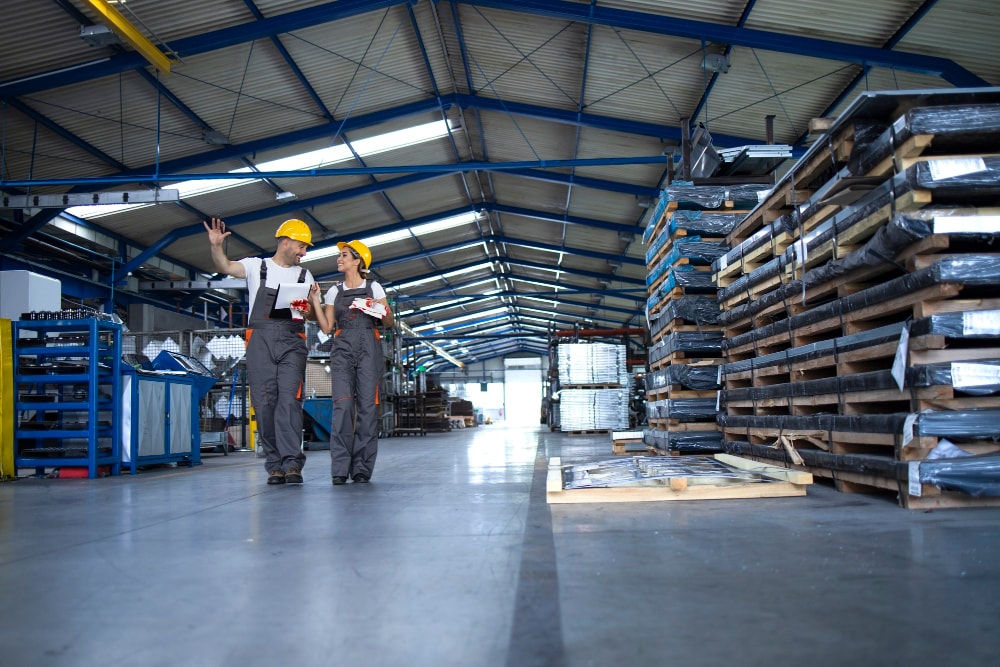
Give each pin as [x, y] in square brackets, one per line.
[980, 323]
[952, 167]
[913, 474]
[899, 363]
[322, 336]
[288, 292]
[908, 425]
[965, 374]
[966, 224]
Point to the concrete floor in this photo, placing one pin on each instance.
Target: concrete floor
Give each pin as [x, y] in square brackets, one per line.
[452, 557]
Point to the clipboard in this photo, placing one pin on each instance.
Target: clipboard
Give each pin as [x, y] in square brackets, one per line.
[288, 292]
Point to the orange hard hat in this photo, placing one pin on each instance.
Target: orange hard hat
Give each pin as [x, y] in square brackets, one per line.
[295, 230]
[361, 249]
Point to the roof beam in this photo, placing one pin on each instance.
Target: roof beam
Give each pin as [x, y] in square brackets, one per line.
[671, 26]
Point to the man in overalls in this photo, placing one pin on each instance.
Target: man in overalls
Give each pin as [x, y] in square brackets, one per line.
[276, 345]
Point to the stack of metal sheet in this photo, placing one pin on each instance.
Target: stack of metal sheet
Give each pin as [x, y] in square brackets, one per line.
[593, 409]
[592, 363]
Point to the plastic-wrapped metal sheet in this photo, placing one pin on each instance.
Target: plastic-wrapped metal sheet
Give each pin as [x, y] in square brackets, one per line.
[685, 442]
[966, 181]
[692, 280]
[974, 378]
[975, 475]
[983, 424]
[690, 309]
[957, 129]
[967, 270]
[698, 378]
[703, 343]
[963, 224]
[704, 223]
[653, 470]
[593, 409]
[824, 348]
[714, 196]
[592, 363]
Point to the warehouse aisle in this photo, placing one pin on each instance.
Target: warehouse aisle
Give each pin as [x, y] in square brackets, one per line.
[451, 557]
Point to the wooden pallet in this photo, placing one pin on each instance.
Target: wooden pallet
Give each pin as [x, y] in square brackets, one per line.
[784, 483]
[930, 497]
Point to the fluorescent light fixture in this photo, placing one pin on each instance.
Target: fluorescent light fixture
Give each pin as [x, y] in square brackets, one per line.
[461, 318]
[554, 288]
[316, 159]
[382, 239]
[547, 302]
[426, 228]
[447, 274]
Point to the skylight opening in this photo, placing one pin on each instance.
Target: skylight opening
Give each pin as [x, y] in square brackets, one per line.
[448, 274]
[382, 239]
[316, 159]
[461, 318]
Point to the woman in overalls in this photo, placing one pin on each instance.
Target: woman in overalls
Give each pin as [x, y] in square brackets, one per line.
[352, 309]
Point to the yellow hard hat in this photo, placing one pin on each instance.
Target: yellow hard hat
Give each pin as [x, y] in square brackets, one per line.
[361, 249]
[295, 230]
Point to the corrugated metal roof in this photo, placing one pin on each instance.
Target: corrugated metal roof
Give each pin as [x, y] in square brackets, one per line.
[522, 83]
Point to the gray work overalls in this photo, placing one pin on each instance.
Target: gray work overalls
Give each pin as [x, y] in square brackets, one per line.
[356, 365]
[276, 371]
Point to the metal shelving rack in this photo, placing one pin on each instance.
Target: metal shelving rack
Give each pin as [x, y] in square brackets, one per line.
[68, 379]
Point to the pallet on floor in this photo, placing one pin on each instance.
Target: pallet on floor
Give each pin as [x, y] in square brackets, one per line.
[738, 478]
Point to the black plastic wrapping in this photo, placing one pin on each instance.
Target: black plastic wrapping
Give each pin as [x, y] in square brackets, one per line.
[691, 409]
[983, 424]
[957, 129]
[953, 182]
[704, 223]
[820, 349]
[690, 279]
[977, 476]
[977, 324]
[688, 250]
[968, 270]
[890, 239]
[714, 196]
[697, 343]
[689, 442]
[916, 376]
[691, 309]
[762, 237]
[866, 464]
[689, 376]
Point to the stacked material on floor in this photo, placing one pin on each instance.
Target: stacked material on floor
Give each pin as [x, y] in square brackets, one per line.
[655, 478]
[682, 313]
[593, 409]
[592, 364]
[593, 387]
[859, 305]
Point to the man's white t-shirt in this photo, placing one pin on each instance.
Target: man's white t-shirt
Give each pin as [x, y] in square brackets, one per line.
[331, 294]
[275, 275]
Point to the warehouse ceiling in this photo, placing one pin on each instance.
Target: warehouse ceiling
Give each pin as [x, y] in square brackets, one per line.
[531, 137]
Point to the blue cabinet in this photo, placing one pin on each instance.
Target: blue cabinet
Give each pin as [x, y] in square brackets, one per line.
[160, 419]
[68, 379]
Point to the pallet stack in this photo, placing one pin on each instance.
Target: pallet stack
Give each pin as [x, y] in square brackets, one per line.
[593, 387]
[682, 311]
[859, 305]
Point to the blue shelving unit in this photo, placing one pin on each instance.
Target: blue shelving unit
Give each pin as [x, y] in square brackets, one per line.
[68, 377]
